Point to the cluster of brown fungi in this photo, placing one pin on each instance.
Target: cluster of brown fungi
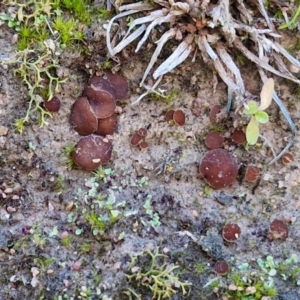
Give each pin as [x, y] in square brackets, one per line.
[93, 116]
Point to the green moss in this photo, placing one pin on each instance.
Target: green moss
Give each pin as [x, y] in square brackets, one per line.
[167, 98]
[80, 8]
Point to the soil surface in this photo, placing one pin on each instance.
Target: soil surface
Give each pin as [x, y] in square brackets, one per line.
[68, 234]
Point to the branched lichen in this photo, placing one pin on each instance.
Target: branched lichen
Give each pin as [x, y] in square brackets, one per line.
[37, 74]
[159, 278]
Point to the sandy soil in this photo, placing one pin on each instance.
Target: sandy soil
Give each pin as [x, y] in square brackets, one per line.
[49, 247]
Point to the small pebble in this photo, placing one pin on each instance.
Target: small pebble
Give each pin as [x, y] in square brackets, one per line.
[76, 266]
[11, 209]
[3, 130]
[267, 177]
[224, 199]
[64, 235]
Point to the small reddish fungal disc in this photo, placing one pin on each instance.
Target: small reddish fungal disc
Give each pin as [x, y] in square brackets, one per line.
[238, 136]
[278, 230]
[143, 145]
[287, 158]
[252, 173]
[107, 126]
[231, 232]
[169, 115]
[215, 110]
[82, 117]
[142, 132]
[135, 139]
[214, 140]
[52, 105]
[92, 151]
[119, 83]
[218, 168]
[179, 117]
[98, 83]
[221, 268]
[103, 104]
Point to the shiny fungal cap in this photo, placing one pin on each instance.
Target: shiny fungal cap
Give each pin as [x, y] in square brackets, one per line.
[107, 125]
[238, 136]
[179, 117]
[252, 173]
[278, 230]
[119, 83]
[103, 104]
[143, 145]
[169, 115]
[218, 168]
[214, 140]
[221, 267]
[82, 117]
[231, 232]
[135, 139]
[92, 151]
[52, 105]
[215, 110]
[142, 132]
[99, 83]
[287, 158]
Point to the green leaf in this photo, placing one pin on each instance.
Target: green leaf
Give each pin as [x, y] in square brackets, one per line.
[261, 117]
[251, 108]
[54, 232]
[266, 94]
[252, 131]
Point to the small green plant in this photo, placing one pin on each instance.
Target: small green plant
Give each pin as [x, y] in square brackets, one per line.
[249, 286]
[258, 116]
[154, 217]
[80, 8]
[68, 30]
[60, 184]
[289, 269]
[103, 13]
[159, 277]
[168, 97]
[103, 174]
[68, 150]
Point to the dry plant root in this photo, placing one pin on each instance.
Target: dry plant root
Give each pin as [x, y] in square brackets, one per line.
[211, 30]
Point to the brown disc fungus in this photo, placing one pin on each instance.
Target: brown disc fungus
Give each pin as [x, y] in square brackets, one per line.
[215, 110]
[278, 230]
[238, 136]
[107, 126]
[119, 83]
[82, 117]
[52, 105]
[92, 151]
[221, 267]
[169, 115]
[218, 168]
[214, 140]
[179, 117]
[231, 232]
[103, 104]
[143, 145]
[252, 173]
[115, 84]
[287, 158]
[142, 132]
[98, 83]
[136, 139]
